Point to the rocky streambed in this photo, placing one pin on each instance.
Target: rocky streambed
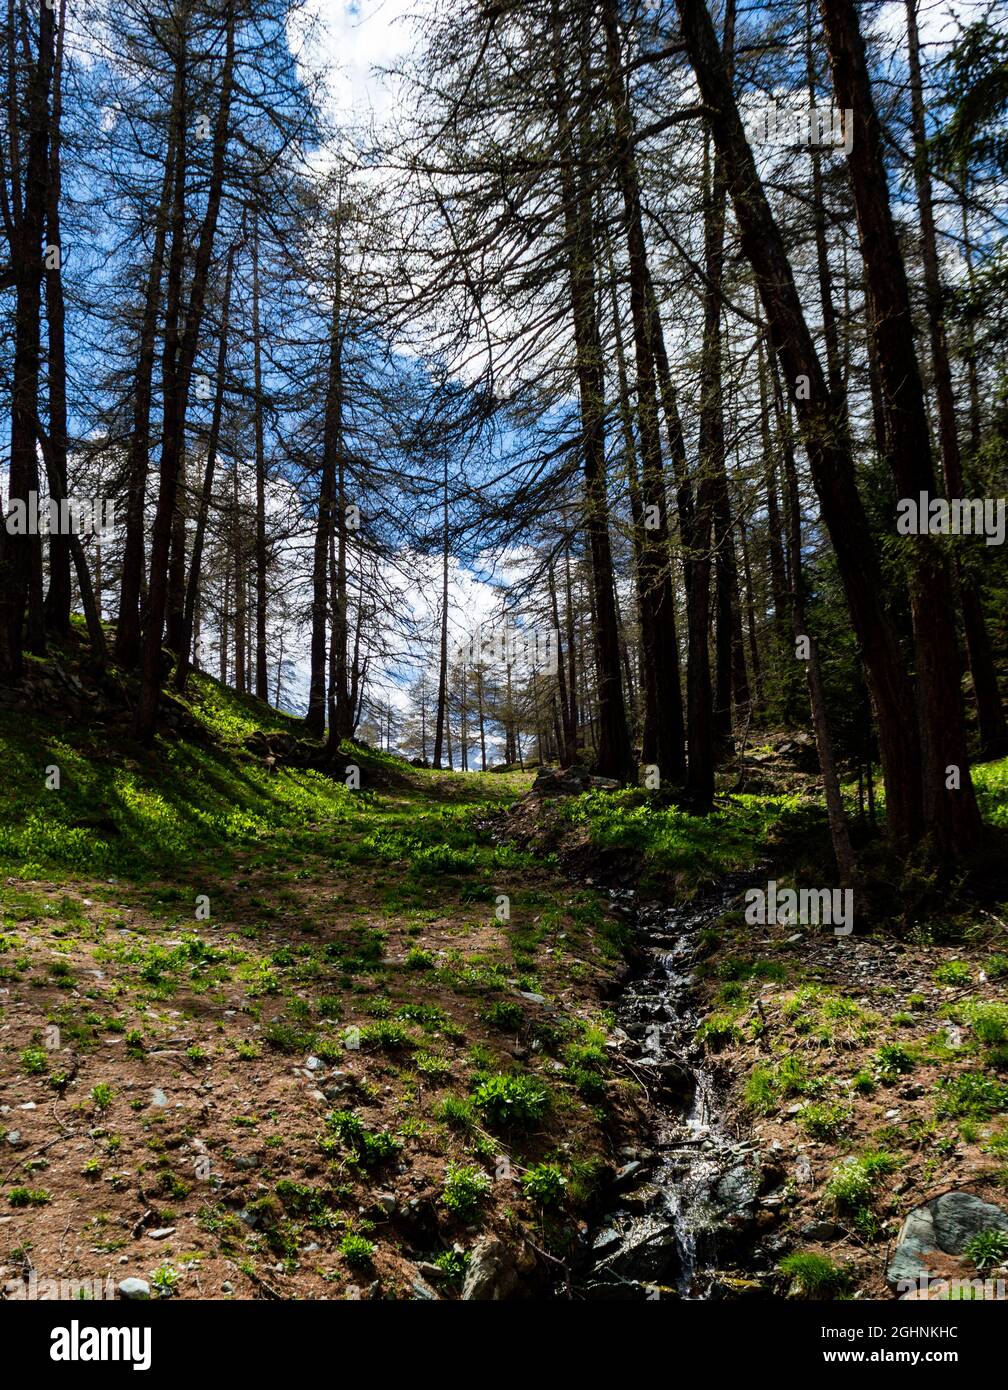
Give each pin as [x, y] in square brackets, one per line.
[686, 1209]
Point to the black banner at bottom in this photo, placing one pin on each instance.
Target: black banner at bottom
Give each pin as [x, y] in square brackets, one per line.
[75, 1341]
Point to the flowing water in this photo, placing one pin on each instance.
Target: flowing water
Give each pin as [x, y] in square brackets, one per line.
[691, 1196]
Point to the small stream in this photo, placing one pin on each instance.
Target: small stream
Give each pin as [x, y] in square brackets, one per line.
[687, 1203]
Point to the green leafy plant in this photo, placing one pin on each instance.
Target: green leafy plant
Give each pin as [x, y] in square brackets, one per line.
[511, 1101]
[165, 1281]
[465, 1189]
[102, 1095]
[827, 1122]
[891, 1061]
[35, 1061]
[952, 972]
[988, 1248]
[544, 1184]
[853, 1189]
[718, 1031]
[971, 1093]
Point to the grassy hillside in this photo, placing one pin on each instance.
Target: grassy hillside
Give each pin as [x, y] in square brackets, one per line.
[263, 1034]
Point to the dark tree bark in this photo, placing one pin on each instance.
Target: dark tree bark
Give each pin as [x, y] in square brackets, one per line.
[127, 645]
[184, 663]
[57, 601]
[836, 815]
[442, 697]
[702, 734]
[663, 733]
[240, 582]
[261, 557]
[822, 433]
[568, 748]
[990, 711]
[614, 757]
[952, 815]
[178, 359]
[21, 555]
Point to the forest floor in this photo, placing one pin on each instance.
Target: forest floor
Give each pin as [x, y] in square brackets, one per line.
[265, 1035]
[261, 1034]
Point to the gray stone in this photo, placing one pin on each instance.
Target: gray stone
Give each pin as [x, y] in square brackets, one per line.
[627, 1173]
[649, 1250]
[158, 1096]
[944, 1225]
[495, 1272]
[609, 1239]
[162, 1233]
[738, 1188]
[134, 1288]
[803, 1171]
[822, 1230]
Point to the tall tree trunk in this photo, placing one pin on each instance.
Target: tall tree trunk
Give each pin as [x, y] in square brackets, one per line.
[835, 813]
[175, 603]
[573, 664]
[192, 588]
[569, 745]
[482, 723]
[261, 558]
[702, 732]
[990, 711]
[614, 755]
[442, 698]
[951, 813]
[178, 361]
[315, 717]
[240, 588]
[127, 644]
[225, 616]
[822, 433]
[664, 733]
[340, 598]
[57, 602]
[21, 554]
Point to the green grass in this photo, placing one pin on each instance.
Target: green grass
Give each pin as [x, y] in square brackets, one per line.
[971, 1094]
[991, 783]
[150, 810]
[671, 839]
[815, 1276]
[853, 1189]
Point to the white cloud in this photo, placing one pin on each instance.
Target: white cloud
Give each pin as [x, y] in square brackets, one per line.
[355, 40]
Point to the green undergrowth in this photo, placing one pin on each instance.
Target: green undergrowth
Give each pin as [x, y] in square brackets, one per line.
[123, 809]
[670, 839]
